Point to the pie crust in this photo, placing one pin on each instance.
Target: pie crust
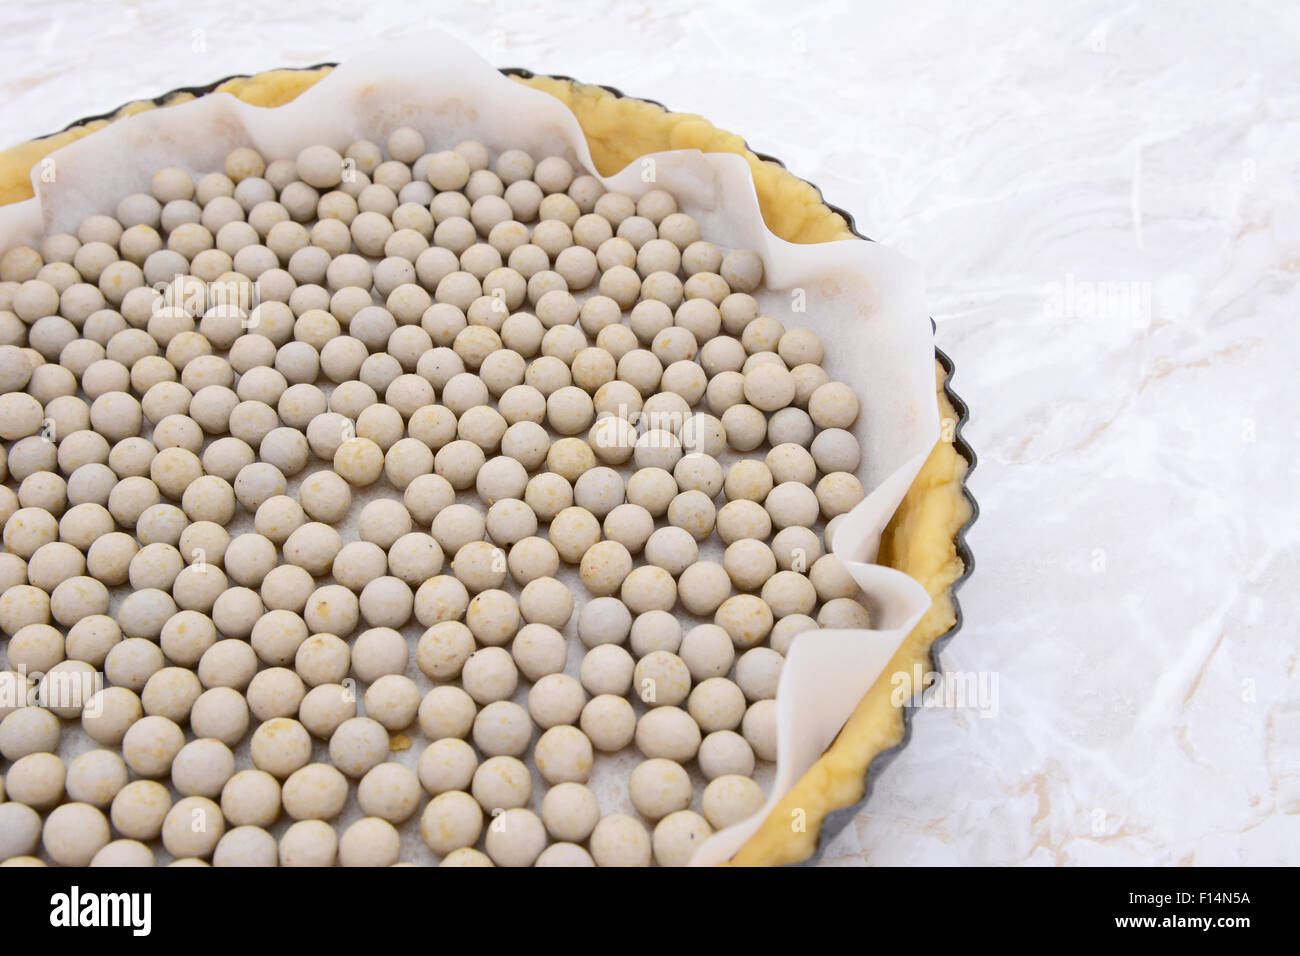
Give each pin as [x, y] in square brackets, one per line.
[922, 538]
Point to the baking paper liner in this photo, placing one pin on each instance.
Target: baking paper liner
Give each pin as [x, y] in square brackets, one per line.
[865, 301]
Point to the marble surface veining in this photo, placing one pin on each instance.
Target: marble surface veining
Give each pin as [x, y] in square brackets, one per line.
[1104, 198]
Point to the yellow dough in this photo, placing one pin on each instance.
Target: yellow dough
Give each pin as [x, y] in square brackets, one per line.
[921, 538]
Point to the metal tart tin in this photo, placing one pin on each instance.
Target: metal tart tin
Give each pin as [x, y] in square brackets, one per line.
[837, 820]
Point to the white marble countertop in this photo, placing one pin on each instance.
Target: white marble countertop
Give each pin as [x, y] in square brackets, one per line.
[1104, 197]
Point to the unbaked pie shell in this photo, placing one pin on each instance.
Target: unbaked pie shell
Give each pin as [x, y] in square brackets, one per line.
[921, 540]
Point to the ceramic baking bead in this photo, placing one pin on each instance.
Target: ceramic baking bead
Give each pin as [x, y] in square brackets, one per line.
[479, 566]
[604, 567]
[607, 669]
[790, 426]
[677, 837]
[702, 587]
[657, 448]
[668, 732]
[370, 841]
[749, 563]
[393, 700]
[386, 602]
[604, 620]
[108, 715]
[192, 828]
[556, 699]
[139, 808]
[731, 798]
[457, 525]
[517, 838]
[538, 650]
[220, 713]
[659, 787]
[278, 634]
[745, 426]
[655, 631]
[791, 462]
[388, 791]
[325, 707]
[201, 768]
[359, 563]
[280, 746]
[228, 663]
[451, 821]
[572, 532]
[835, 449]
[501, 783]
[121, 853]
[532, 558]
[620, 840]
[150, 745]
[490, 675]
[630, 525]
[276, 692]
[833, 405]
[769, 387]
[359, 461]
[313, 547]
[613, 440]
[563, 754]
[131, 662]
[330, 609]
[790, 504]
[246, 846]
[746, 618]
[808, 378]
[569, 811]
[787, 629]
[838, 493]
[499, 479]
[545, 600]
[74, 833]
[789, 592]
[568, 459]
[443, 650]
[694, 512]
[484, 427]
[831, 579]
[843, 613]
[759, 728]
[318, 166]
[725, 391]
[358, 744]
[661, 678]
[703, 434]
[758, 672]
[308, 843]
[37, 781]
[672, 549]
[718, 704]
[446, 711]
[725, 752]
[35, 648]
[493, 616]
[441, 598]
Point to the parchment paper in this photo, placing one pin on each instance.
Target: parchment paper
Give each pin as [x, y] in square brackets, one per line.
[864, 300]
